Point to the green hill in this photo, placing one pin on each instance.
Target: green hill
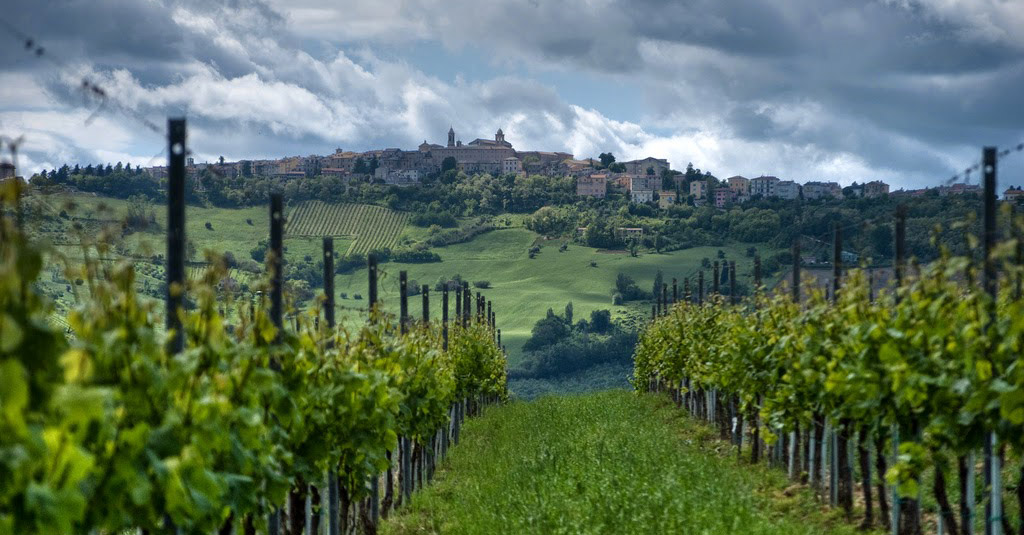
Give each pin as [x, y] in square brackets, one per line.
[610, 462]
[522, 286]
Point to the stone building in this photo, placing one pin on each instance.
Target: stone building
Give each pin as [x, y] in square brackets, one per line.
[821, 190]
[641, 167]
[876, 188]
[595, 185]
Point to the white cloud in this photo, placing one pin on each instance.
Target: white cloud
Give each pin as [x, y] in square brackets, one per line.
[732, 89]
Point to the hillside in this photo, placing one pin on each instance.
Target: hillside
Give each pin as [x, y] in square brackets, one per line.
[522, 288]
[610, 462]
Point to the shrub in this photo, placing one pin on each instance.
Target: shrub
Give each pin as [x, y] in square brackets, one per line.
[357, 297]
[209, 226]
[249, 221]
[415, 256]
[482, 284]
[259, 253]
[593, 263]
[344, 295]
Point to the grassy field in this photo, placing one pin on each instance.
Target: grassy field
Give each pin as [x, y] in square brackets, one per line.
[611, 462]
[522, 288]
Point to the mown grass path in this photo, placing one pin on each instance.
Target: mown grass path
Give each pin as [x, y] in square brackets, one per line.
[611, 462]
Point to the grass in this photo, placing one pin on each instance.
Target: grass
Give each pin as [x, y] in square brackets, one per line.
[522, 288]
[599, 377]
[610, 462]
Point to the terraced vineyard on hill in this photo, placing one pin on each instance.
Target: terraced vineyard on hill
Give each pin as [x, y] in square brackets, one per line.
[371, 227]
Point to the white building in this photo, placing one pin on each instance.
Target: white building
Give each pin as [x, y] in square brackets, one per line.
[407, 177]
[787, 189]
[641, 195]
[512, 166]
[763, 186]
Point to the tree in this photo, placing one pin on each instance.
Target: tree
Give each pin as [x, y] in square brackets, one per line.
[448, 164]
[547, 331]
[600, 321]
[221, 160]
[650, 171]
[568, 313]
[360, 166]
[606, 158]
[881, 240]
[659, 281]
[751, 251]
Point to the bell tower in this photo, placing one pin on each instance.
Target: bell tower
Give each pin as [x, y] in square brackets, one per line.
[451, 136]
[499, 137]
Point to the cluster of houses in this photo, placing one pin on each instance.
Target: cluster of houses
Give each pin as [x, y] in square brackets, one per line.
[401, 167]
[645, 180]
[644, 186]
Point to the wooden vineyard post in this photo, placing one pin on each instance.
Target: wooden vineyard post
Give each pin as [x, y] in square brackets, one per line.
[458, 304]
[276, 265]
[277, 262]
[899, 268]
[175, 232]
[993, 464]
[489, 312]
[686, 289]
[175, 297]
[732, 282]
[374, 506]
[716, 279]
[664, 298]
[444, 317]
[425, 292]
[845, 471]
[700, 288]
[466, 299]
[755, 423]
[675, 291]
[796, 271]
[333, 492]
[403, 295]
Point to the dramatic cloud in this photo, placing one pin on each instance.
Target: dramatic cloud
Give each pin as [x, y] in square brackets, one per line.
[901, 90]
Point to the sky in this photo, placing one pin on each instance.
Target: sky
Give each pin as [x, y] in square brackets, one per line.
[905, 91]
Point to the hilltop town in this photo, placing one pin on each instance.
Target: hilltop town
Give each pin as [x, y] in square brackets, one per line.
[647, 180]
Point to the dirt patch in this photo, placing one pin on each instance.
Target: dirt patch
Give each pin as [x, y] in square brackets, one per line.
[613, 251]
